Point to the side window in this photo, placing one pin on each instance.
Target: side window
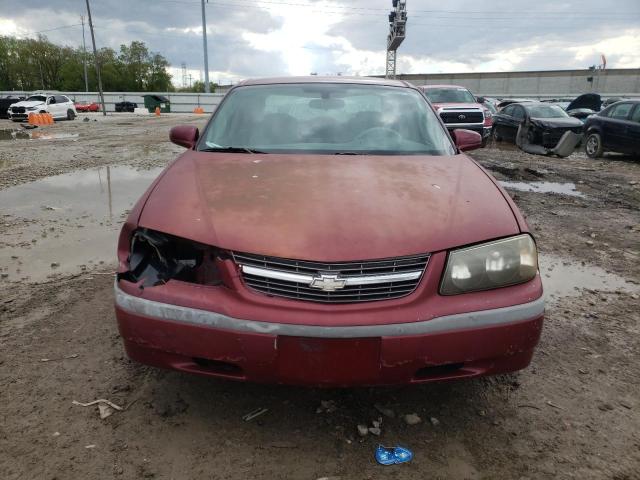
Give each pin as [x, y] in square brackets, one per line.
[51, 100]
[518, 112]
[635, 117]
[621, 112]
[508, 110]
[61, 99]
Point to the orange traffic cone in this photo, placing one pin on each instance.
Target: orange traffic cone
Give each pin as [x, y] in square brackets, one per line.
[32, 119]
[198, 109]
[157, 111]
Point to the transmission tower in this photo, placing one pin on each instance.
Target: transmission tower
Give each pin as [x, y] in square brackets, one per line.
[397, 32]
[184, 74]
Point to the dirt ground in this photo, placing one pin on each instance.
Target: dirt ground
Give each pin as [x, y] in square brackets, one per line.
[574, 413]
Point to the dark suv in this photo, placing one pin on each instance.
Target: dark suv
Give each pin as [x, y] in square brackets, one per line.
[614, 129]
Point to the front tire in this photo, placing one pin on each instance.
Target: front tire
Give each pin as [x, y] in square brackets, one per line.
[496, 136]
[593, 145]
[70, 114]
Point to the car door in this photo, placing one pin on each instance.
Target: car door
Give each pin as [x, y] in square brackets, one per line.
[64, 104]
[513, 121]
[502, 120]
[615, 127]
[51, 106]
[633, 132]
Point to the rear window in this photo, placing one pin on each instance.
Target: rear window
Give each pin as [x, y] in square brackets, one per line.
[546, 111]
[327, 118]
[449, 95]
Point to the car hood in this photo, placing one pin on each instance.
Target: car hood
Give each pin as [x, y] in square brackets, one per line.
[457, 105]
[592, 101]
[328, 208]
[563, 122]
[24, 103]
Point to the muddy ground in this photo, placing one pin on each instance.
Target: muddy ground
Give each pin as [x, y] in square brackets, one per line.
[575, 413]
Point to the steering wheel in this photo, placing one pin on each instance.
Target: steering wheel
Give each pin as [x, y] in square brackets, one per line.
[378, 133]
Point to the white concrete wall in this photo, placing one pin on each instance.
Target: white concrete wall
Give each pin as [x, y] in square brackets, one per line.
[561, 83]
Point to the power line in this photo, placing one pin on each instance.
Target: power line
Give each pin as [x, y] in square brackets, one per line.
[340, 9]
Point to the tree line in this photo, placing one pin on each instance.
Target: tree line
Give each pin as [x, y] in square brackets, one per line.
[38, 64]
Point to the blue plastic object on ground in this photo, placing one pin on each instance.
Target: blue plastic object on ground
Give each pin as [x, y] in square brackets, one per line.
[393, 455]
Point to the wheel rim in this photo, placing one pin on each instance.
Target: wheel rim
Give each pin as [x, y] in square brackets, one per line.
[592, 145]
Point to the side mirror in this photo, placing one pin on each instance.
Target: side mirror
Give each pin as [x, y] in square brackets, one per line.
[466, 140]
[480, 99]
[184, 135]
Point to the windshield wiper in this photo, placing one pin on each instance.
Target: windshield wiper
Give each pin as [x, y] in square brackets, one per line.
[350, 153]
[231, 150]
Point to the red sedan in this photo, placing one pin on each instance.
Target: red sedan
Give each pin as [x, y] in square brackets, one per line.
[88, 107]
[328, 232]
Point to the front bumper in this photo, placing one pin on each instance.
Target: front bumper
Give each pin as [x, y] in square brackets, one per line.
[19, 116]
[445, 347]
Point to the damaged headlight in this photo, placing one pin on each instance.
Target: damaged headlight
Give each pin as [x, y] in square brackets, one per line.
[491, 265]
[155, 258]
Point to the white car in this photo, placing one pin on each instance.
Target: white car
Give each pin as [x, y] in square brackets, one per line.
[59, 106]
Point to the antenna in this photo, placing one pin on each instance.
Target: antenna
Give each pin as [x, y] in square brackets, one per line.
[397, 33]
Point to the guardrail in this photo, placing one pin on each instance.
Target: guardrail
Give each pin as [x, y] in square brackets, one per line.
[180, 102]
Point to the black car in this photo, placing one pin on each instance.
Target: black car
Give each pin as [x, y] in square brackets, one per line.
[126, 106]
[614, 129]
[5, 102]
[547, 123]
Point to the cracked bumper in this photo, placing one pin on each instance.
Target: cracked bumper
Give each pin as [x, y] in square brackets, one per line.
[447, 347]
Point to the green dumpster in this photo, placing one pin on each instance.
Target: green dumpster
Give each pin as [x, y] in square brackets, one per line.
[153, 101]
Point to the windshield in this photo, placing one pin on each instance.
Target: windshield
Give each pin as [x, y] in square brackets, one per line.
[328, 119]
[37, 98]
[546, 111]
[449, 95]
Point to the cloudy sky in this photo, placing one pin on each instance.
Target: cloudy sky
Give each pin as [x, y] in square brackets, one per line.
[249, 38]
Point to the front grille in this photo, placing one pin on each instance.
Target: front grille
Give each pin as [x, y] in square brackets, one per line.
[17, 109]
[355, 271]
[454, 117]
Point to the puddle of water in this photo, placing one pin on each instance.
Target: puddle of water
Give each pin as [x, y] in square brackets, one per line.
[544, 187]
[8, 134]
[74, 219]
[564, 277]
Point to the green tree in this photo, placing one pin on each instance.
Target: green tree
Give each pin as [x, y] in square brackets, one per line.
[34, 64]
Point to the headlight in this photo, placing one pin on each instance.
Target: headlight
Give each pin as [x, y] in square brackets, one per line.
[155, 258]
[32, 108]
[490, 265]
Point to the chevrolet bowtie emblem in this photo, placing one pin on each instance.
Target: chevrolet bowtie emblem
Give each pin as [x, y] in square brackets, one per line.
[327, 283]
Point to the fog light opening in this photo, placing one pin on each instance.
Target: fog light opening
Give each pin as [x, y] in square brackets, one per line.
[218, 367]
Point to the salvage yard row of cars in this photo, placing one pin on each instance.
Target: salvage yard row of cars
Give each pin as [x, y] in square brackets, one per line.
[604, 130]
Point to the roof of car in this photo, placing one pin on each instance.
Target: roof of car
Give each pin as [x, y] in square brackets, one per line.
[426, 87]
[319, 79]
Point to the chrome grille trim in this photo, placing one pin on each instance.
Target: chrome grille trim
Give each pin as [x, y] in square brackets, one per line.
[346, 282]
[362, 280]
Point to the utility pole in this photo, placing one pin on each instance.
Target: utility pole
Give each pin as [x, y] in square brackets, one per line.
[84, 57]
[397, 34]
[206, 56]
[95, 59]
